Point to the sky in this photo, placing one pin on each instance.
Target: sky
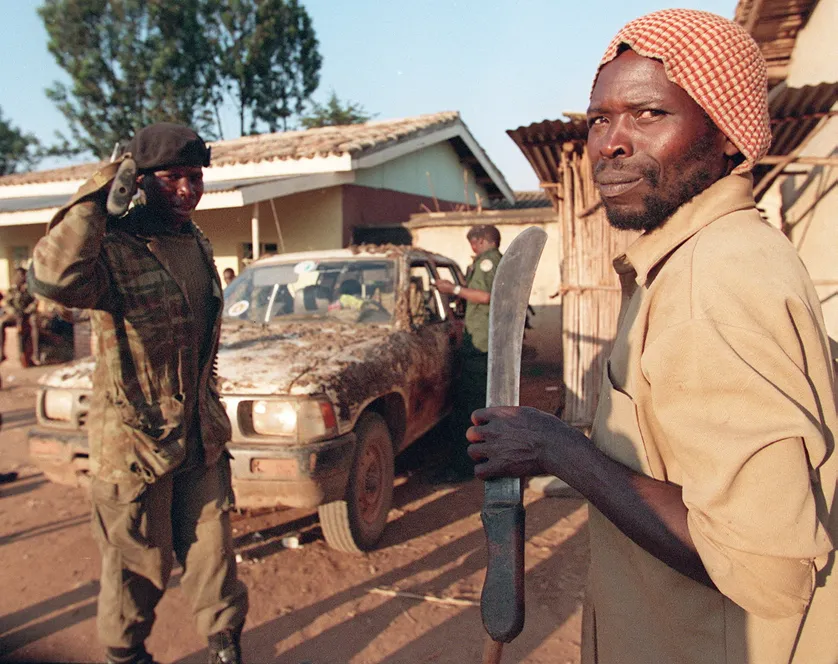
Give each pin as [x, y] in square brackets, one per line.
[500, 63]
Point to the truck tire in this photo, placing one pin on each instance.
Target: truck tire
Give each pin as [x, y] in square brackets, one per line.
[356, 523]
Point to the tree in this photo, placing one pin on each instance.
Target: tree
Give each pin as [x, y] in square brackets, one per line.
[335, 113]
[132, 62]
[18, 151]
[268, 59]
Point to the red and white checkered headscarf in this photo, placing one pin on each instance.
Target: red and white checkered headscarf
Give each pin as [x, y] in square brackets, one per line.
[716, 62]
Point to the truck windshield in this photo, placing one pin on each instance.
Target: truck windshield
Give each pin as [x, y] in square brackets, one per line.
[351, 290]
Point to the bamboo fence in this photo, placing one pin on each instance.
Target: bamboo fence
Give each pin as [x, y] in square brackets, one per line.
[589, 289]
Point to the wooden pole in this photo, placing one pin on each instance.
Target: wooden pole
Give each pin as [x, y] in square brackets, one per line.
[278, 228]
[254, 231]
[492, 651]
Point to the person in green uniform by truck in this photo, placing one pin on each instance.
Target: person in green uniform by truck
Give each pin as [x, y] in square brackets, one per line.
[470, 389]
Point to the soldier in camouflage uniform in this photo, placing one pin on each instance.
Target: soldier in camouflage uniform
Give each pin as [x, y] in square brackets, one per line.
[470, 390]
[161, 472]
[20, 308]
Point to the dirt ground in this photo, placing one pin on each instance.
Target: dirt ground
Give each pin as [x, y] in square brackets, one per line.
[308, 604]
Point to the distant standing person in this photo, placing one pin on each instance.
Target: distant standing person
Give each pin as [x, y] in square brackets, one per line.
[470, 387]
[229, 275]
[20, 312]
[161, 472]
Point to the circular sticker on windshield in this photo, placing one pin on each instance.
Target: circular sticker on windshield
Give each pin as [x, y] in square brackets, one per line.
[486, 265]
[305, 266]
[238, 308]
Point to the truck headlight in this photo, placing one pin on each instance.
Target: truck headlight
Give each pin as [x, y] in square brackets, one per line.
[303, 420]
[58, 405]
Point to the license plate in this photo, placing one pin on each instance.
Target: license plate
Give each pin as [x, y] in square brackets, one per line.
[48, 448]
[287, 468]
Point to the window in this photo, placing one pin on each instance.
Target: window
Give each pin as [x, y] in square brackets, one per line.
[352, 290]
[265, 248]
[423, 300]
[453, 274]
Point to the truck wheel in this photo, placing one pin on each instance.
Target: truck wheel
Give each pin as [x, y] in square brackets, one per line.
[356, 523]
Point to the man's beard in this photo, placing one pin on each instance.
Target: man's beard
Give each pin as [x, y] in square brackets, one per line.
[657, 207]
[661, 205]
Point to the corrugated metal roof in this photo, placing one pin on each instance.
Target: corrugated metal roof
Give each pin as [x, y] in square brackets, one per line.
[541, 143]
[774, 25]
[796, 111]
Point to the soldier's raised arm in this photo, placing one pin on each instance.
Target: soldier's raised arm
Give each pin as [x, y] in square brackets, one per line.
[67, 265]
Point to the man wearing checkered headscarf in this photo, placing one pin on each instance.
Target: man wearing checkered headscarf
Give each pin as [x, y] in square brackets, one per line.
[716, 62]
[711, 468]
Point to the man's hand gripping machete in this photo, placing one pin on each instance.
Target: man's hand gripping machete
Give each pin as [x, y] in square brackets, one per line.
[502, 602]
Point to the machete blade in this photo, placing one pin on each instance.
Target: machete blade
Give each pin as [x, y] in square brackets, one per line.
[502, 601]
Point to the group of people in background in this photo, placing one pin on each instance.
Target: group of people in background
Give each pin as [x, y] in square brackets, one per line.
[44, 328]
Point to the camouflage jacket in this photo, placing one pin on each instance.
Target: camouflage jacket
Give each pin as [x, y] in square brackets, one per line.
[19, 302]
[142, 323]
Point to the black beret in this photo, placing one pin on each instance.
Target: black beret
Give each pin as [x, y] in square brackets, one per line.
[165, 144]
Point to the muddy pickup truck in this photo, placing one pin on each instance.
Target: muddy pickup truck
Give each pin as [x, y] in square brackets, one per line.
[331, 363]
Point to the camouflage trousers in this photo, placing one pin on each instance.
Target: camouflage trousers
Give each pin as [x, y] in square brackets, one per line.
[185, 513]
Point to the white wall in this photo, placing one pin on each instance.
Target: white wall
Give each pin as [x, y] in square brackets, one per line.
[449, 239]
[814, 57]
[807, 198]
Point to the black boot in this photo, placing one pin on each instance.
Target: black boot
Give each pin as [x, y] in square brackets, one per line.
[136, 655]
[225, 647]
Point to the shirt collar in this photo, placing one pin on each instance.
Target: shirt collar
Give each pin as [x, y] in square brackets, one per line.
[730, 194]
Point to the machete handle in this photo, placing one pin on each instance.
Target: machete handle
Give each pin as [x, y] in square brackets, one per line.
[503, 616]
[123, 188]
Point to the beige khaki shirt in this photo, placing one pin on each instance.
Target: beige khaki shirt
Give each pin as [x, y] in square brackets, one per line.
[721, 382]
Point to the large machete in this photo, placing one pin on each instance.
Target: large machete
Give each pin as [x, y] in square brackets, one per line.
[502, 602]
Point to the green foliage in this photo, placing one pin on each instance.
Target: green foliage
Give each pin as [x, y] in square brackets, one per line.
[134, 62]
[18, 151]
[268, 59]
[335, 113]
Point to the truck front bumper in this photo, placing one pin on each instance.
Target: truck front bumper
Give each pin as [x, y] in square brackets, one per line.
[291, 476]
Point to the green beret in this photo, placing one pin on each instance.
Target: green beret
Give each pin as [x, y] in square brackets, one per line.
[165, 144]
